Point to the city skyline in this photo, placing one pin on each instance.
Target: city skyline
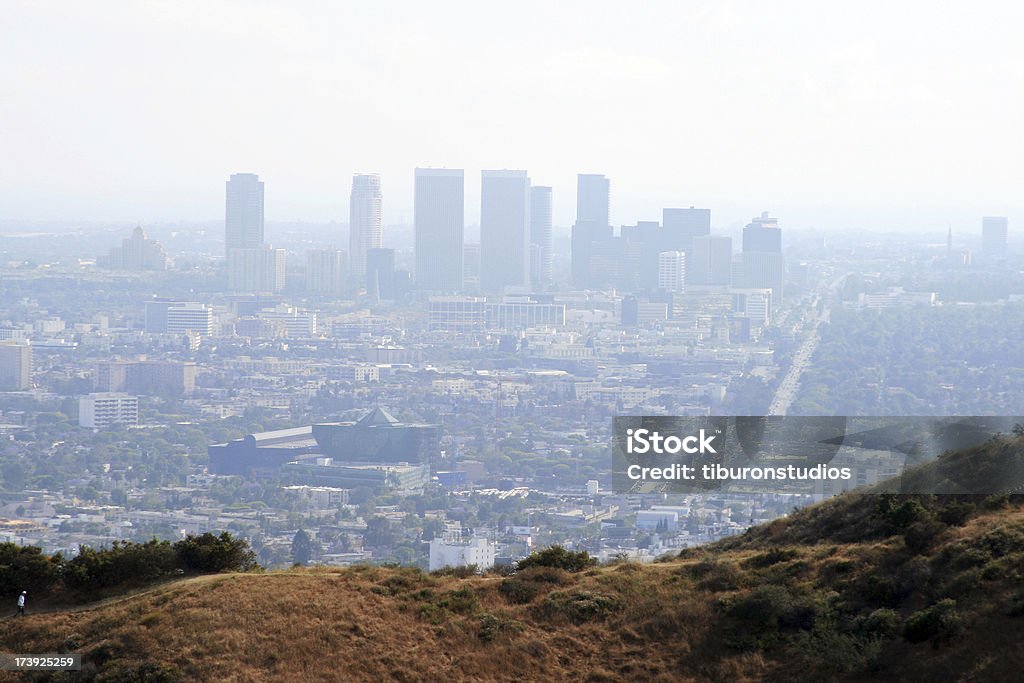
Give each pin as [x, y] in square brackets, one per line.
[846, 122]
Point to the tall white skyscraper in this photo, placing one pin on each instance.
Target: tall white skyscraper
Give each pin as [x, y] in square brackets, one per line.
[439, 228]
[504, 230]
[540, 236]
[243, 215]
[365, 222]
[671, 271]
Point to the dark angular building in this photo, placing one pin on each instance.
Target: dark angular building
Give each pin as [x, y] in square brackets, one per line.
[262, 454]
[379, 437]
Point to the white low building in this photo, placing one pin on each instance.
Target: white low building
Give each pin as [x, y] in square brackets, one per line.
[452, 550]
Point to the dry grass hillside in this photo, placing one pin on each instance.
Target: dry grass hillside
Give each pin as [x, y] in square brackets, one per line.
[943, 602]
[901, 587]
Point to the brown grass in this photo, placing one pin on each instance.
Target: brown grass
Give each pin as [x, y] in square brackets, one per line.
[662, 622]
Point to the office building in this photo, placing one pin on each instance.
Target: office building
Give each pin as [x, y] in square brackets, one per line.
[762, 263]
[504, 230]
[190, 317]
[458, 548]
[165, 316]
[260, 270]
[243, 219]
[158, 377]
[593, 199]
[762, 234]
[594, 248]
[380, 274]
[365, 222]
[709, 261]
[522, 312]
[994, 231]
[439, 224]
[458, 313]
[636, 312]
[101, 410]
[138, 252]
[681, 226]
[671, 271]
[471, 267]
[326, 271]
[754, 304]
[15, 366]
[541, 238]
[298, 323]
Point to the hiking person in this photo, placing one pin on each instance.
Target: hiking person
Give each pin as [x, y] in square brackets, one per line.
[21, 604]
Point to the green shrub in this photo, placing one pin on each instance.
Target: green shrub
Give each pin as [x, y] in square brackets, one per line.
[461, 601]
[492, 626]
[123, 563]
[882, 623]
[1003, 540]
[463, 572]
[937, 623]
[524, 586]
[395, 584]
[921, 535]
[212, 553]
[26, 568]
[578, 606]
[912, 576]
[716, 576]
[558, 557]
[770, 557]
[769, 608]
[956, 513]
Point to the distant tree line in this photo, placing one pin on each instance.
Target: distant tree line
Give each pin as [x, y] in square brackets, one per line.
[122, 564]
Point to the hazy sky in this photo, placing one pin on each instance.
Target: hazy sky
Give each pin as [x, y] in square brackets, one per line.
[826, 113]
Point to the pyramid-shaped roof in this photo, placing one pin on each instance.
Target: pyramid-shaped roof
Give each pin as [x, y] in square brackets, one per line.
[378, 417]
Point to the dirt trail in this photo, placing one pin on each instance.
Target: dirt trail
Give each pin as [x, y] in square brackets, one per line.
[48, 608]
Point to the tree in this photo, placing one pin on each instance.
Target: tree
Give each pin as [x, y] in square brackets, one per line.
[212, 553]
[302, 548]
[378, 532]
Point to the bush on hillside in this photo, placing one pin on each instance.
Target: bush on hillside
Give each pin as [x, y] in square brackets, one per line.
[212, 553]
[123, 563]
[26, 568]
[939, 622]
[560, 558]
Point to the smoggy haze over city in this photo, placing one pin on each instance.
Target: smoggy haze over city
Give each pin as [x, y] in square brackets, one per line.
[874, 115]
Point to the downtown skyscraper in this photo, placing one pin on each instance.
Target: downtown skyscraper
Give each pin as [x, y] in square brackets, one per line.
[763, 265]
[593, 198]
[593, 246]
[365, 222]
[541, 238]
[439, 220]
[252, 266]
[243, 212]
[504, 230]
